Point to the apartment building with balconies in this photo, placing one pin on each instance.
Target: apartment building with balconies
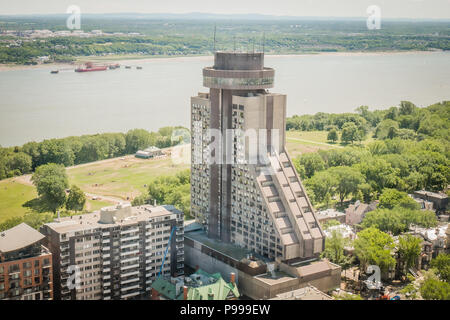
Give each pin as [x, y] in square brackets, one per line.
[115, 253]
[25, 265]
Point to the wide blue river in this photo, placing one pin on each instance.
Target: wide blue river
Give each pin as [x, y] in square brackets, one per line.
[35, 105]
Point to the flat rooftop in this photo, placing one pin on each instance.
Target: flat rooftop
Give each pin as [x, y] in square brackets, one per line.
[229, 249]
[431, 194]
[306, 293]
[275, 277]
[19, 237]
[91, 220]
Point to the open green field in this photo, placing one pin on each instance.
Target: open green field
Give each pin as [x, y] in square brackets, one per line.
[12, 195]
[299, 142]
[123, 178]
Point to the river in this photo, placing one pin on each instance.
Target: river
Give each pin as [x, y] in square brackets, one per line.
[36, 105]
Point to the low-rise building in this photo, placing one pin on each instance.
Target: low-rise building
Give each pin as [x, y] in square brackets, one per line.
[306, 293]
[198, 286]
[116, 252]
[256, 276]
[356, 212]
[330, 214]
[149, 153]
[345, 230]
[436, 237]
[439, 200]
[25, 265]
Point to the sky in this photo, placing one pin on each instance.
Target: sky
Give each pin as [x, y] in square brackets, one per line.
[415, 9]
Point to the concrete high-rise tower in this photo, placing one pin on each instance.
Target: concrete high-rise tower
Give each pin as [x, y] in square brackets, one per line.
[254, 201]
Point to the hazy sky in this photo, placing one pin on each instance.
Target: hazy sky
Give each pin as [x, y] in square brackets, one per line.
[330, 8]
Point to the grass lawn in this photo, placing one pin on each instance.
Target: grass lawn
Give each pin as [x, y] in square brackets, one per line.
[121, 177]
[94, 205]
[299, 142]
[12, 195]
[312, 136]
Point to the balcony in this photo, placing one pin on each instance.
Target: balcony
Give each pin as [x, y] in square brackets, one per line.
[125, 253]
[136, 265]
[129, 295]
[129, 231]
[129, 281]
[129, 259]
[128, 274]
[129, 238]
[129, 245]
[136, 286]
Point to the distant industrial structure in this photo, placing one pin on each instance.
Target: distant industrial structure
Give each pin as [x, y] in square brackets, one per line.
[116, 252]
[25, 265]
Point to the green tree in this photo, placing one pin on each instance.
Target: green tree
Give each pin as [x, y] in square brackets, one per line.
[409, 249]
[442, 265]
[391, 198]
[312, 162]
[373, 246]
[20, 162]
[398, 220]
[349, 132]
[138, 139]
[333, 135]
[347, 180]
[334, 247]
[51, 182]
[434, 289]
[76, 199]
[322, 185]
[384, 127]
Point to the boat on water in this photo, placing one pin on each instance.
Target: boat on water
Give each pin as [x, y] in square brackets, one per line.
[127, 67]
[88, 67]
[139, 68]
[54, 71]
[114, 66]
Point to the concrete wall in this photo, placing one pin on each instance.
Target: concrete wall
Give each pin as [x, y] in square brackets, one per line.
[193, 257]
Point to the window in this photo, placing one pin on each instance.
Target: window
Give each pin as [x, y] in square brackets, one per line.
[14, 268]
[36, 263]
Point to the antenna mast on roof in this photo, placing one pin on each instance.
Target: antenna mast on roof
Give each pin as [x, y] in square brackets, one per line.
[264, 41]
[214, 49]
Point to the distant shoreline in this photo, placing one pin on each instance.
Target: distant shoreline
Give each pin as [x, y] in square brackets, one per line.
[131, 60]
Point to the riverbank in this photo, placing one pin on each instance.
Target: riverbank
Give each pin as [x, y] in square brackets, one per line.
[134, 59]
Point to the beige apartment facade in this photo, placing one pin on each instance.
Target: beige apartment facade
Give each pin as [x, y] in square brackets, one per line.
[115, 253]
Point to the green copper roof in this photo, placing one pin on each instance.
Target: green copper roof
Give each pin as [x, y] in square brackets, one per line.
[218, 290]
